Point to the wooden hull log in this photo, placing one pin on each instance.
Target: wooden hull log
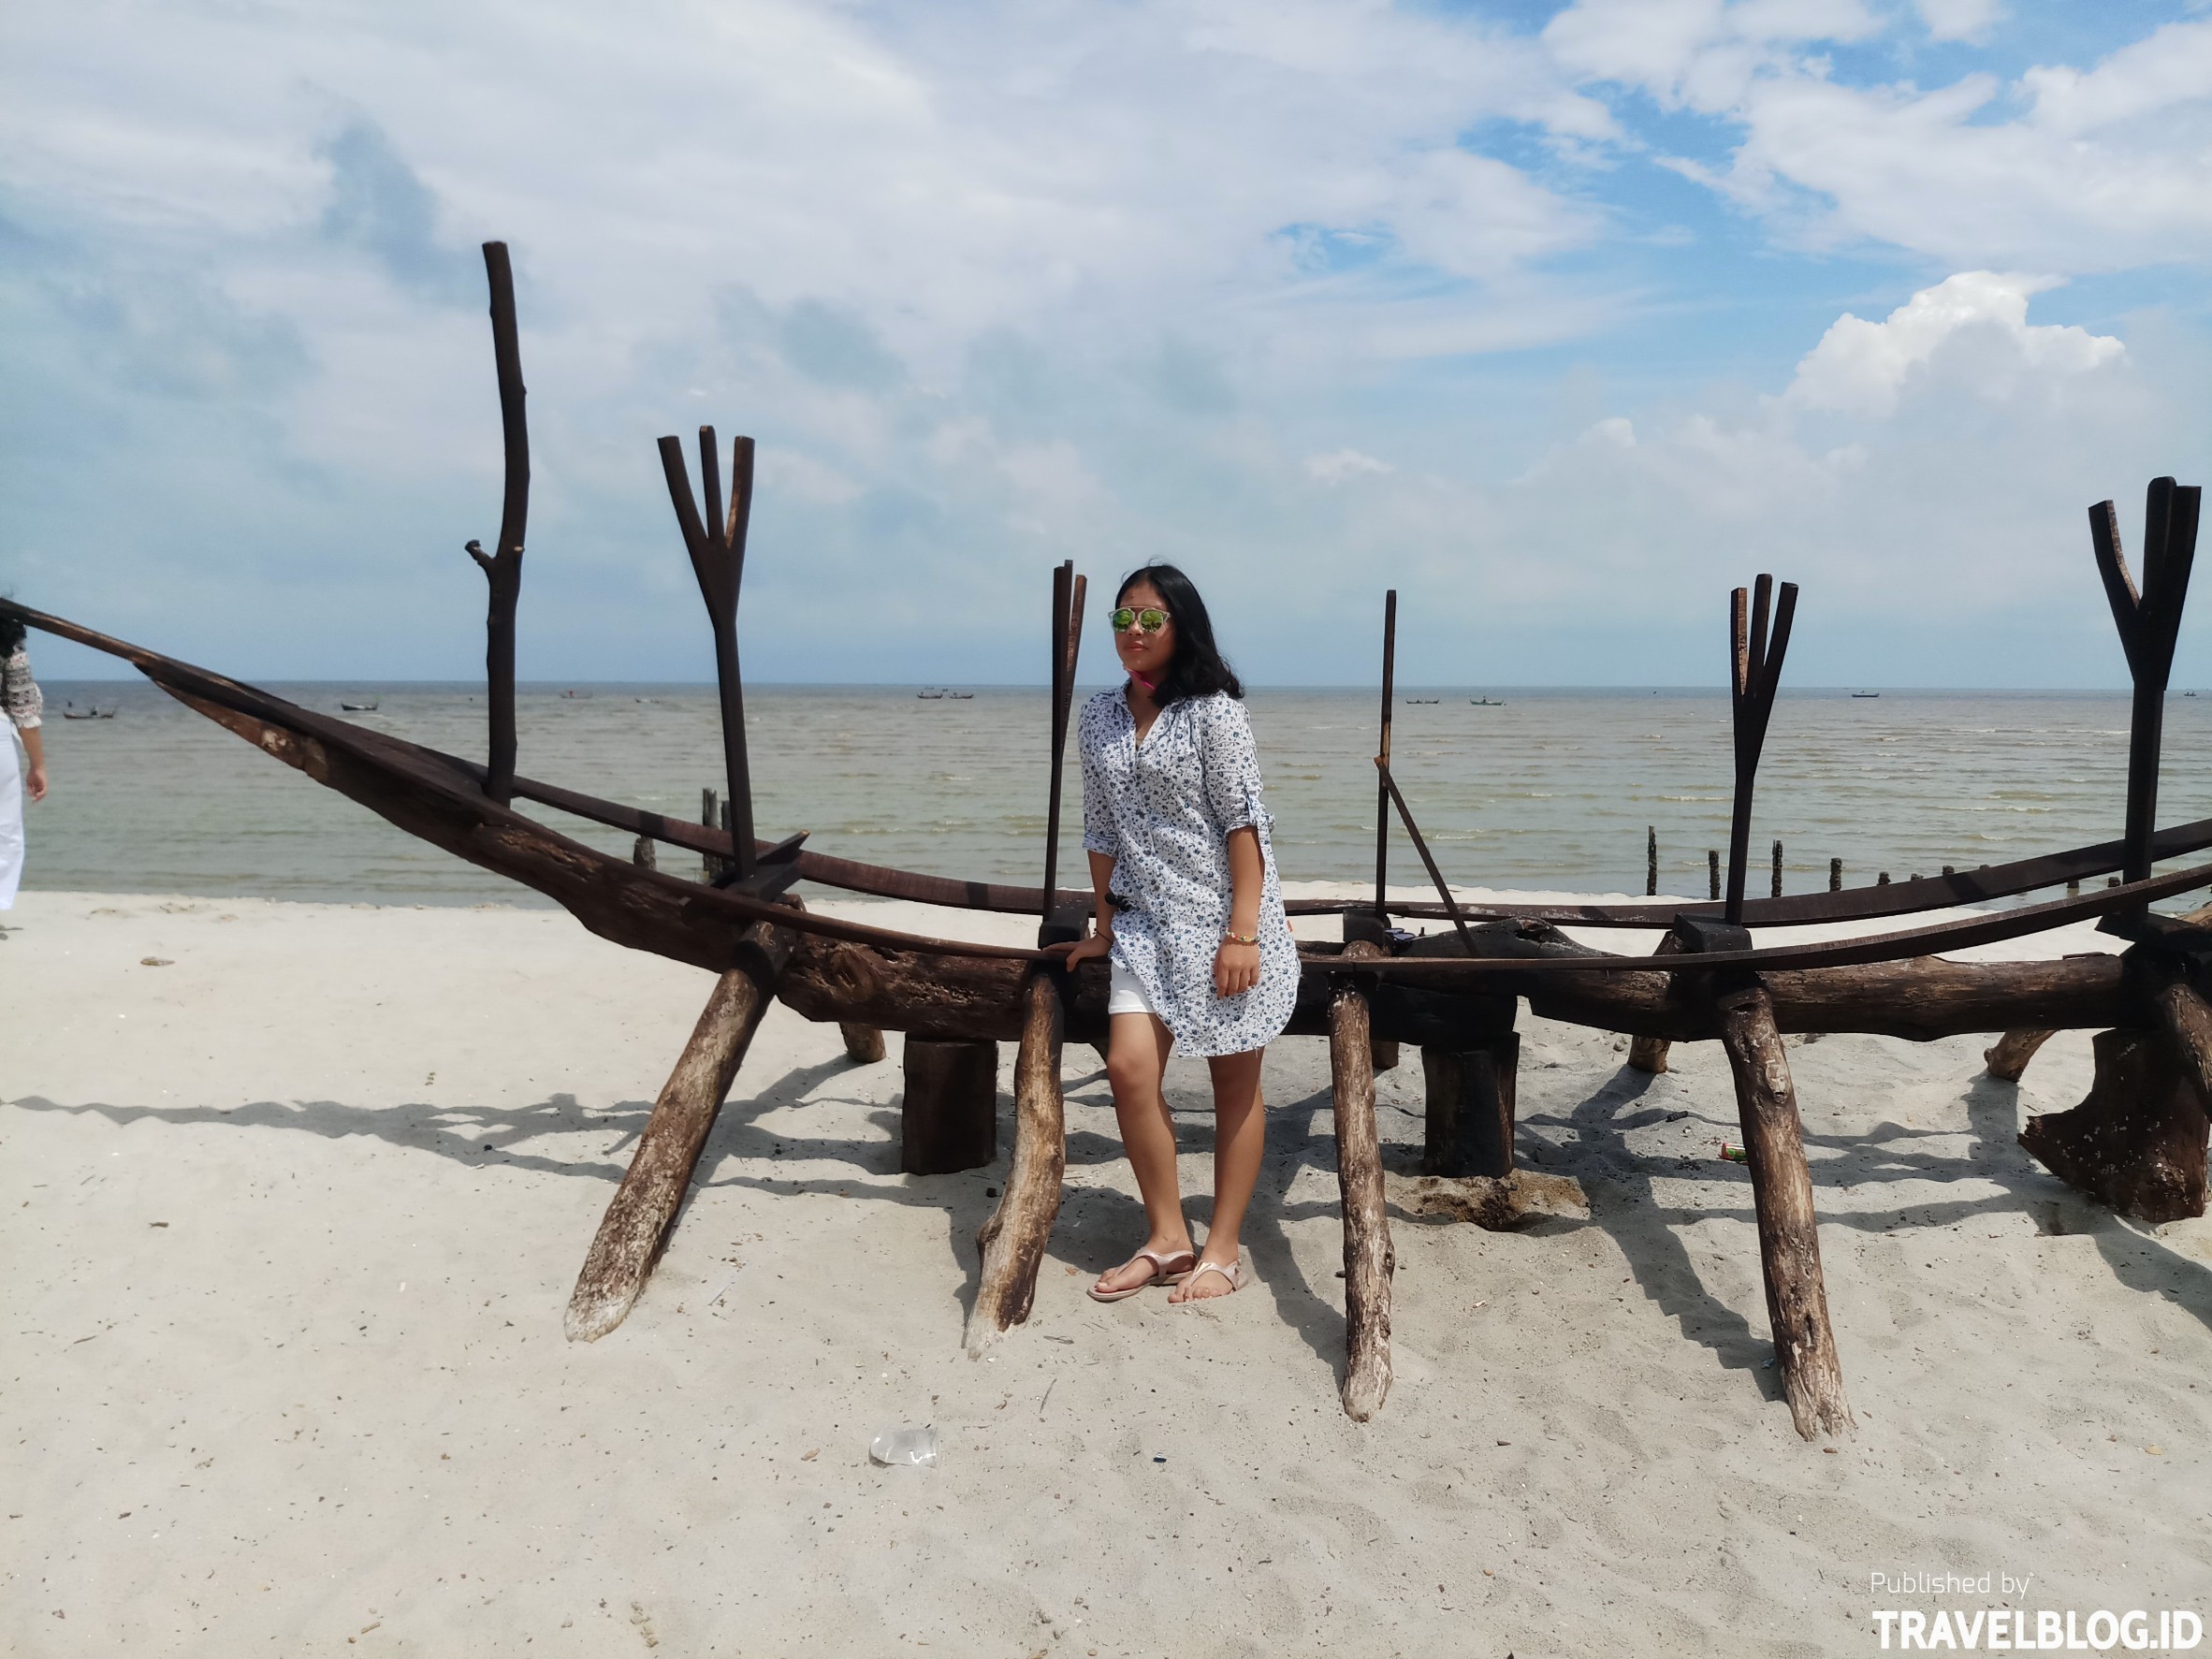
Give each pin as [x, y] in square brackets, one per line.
[1368, 1260]
[2137, 1141]
[645, 1206]
[1469, 1128]
[863, 1044]
[1782, 1194]
[2009, 1055]
[949, 1119]
[1013, 1239]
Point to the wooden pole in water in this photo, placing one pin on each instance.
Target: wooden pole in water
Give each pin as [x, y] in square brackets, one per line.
[1650, 860]
[1777, 893]
[1835, 875]
[1012, 1240]
[1368, 1260]
[1712, 870]
[645, 1206]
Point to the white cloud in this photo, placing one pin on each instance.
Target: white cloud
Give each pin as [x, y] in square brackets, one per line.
[1861, 368]
[1343, 465]
[1960, 20]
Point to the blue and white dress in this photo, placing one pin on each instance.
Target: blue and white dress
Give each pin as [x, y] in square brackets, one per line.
[1162, 810]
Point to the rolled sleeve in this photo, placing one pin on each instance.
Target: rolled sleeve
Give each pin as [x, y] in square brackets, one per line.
[1100, 833]
[26, 706]
[1231, 768]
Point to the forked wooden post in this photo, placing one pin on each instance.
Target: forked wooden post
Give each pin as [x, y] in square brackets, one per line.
[645, 1206]
[1369, 1260]
[503, 567]
[1012, 1240]
[1755, 675]
[2008, 1057]
[1782, 1195]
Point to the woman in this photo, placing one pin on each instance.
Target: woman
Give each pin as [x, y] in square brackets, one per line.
[19, 694]
[1189, 913]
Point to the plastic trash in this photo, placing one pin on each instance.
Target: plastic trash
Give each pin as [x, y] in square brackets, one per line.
[1734, 1155]
[899, 1448]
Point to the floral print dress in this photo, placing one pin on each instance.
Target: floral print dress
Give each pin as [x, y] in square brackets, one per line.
[1162, 810]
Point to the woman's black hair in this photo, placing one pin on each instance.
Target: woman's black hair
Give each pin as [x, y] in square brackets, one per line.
[1197, 669]
[12, 634]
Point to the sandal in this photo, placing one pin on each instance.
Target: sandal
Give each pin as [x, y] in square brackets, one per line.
[1162, 1273]
[1233, 1273]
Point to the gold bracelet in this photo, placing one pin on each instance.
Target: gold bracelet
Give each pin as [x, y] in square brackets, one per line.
[1239, 938]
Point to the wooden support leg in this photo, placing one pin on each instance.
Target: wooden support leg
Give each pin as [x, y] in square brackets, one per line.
[1471, 1105]
[1781, 1193]
[2137, 1141]
[1649, 1054]
[644, 1207]
[1368, 1259]
[1385, 1054]
[2009, 1057]
[864, 1043]
[1012, 1240]
[950, 1120]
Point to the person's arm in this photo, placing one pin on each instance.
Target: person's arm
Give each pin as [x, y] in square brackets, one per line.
[34, 746]
[1100, 942]
[1236, 965]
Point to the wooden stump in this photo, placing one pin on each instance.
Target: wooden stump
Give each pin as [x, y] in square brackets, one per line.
[950, 1120]
[1782, 1194]
[1368, 1259]
[2009, 1057]
[1384, 1052]
[2137, 1141]
[1012, 1240]
[863, 1043]
[645, 1206]
[1471, 1104]
[1649, 1054]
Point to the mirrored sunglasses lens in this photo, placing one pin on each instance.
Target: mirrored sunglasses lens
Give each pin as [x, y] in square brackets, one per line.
[1122, 619]
[1152, 621]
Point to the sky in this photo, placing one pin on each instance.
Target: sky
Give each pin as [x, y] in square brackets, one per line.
[1562, 319]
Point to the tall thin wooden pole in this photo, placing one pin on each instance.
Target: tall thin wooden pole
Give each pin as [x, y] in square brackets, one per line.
[1755, 675]
[503, 568]
[1066, 646]
[1382, 792]
[2149, 621]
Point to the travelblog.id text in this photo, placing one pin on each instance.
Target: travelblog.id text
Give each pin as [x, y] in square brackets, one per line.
[2017, 1629]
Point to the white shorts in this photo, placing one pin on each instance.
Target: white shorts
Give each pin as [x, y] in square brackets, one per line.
[1125, 994]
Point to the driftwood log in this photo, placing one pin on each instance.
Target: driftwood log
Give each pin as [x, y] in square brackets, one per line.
[863, 1044]
[949, 1121]
[2137, 1141]
[1469, 1127]
[644, 1207]
[1369, 1260]
[2008, 1057]
[1782, 1195]
[1649, 1054]
[1013, 1239]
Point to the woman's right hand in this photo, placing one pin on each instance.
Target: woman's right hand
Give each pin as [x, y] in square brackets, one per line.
[1082, 950]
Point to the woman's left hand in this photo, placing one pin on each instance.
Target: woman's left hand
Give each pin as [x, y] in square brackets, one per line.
[1236, 968]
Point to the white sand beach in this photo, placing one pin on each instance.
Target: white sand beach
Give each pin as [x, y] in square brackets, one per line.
[290, 1218]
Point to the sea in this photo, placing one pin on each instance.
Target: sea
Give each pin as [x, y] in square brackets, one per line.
[1515, 787]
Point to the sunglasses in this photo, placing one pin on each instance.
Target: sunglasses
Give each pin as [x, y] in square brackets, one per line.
[1151, 620]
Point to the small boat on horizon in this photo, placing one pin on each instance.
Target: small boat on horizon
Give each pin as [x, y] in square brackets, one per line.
[359, 708]
[1486, 702]
[1866, 693]
[1416, 702]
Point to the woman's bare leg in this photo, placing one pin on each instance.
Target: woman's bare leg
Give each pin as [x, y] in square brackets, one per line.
[1136, 1060]
[1240, 1143]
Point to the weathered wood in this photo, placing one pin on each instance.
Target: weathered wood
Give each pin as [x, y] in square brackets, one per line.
[1649, 1054]
[2188, 1023]
[645, 1206]
[643, 855]
[1368, 1260]
[503, 567]
[1782, 1196]
[1469, 1125]
[863, 1043]
[2137, 1141]
[948, 1120]
[1384, 1052]
[2009, 1055]
[1013, 1240]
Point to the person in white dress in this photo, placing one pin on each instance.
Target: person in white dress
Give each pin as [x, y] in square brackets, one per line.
[20, 768]
[1189, 913]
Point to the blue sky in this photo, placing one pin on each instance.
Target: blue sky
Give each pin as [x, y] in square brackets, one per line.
[1563, 319]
